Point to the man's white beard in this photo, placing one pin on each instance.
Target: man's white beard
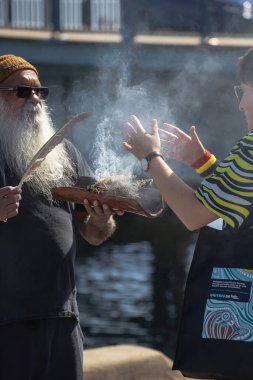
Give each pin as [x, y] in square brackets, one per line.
[22, 135]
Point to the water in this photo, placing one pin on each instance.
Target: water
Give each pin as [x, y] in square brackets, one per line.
[115, 294]
[120, 300]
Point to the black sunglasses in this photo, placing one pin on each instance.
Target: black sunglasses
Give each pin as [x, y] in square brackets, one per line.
[238, 92]
[26, 91]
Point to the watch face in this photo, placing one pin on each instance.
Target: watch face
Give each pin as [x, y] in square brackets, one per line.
[144, 164]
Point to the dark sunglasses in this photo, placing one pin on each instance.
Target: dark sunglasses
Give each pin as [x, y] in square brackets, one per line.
[238, 92]
[26, 91]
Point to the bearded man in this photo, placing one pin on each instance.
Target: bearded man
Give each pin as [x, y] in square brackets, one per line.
[39, 329]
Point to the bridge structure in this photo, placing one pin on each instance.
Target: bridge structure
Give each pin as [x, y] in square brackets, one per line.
[94, 39]
[78, 32]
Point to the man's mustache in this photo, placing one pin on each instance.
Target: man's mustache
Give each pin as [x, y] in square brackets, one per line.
[31, 106]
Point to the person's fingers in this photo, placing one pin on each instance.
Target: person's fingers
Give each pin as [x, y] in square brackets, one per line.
[107, 211]
[176, 131]
[154, 127]
[127, 146]
[130, 129]
[11, 214]
[10, 210]
[137, 124]
[120, 213]
[10, 199]
[87, 206]
[98, 211]
[12, 207]
[193, 133]
[7, 190]
[195, 137]
[93, 208]
[125, 134]
[17, 197]
[171, 136]
[171, 128]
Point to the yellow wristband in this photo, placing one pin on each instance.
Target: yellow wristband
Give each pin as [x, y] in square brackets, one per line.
[207, 165]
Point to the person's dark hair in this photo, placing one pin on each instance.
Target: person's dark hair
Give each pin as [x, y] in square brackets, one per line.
[245, 68]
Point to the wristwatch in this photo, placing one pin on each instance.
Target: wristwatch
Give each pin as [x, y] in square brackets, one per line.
[146, 161]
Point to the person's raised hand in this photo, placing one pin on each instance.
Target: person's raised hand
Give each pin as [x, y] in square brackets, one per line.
[181, 146]
[139, 141]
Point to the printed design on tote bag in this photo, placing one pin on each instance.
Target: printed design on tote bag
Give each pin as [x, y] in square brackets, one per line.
[229, 308]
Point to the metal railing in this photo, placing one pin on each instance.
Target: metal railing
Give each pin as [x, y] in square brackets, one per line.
[199, 16]
[24, 14]
[28, 14]
[3, 13]
[105, 15]
[70, 15]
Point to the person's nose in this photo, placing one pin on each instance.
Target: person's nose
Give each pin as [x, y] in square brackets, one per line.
[35, 97]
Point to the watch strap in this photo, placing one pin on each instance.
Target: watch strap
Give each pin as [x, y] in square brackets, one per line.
[152, 155]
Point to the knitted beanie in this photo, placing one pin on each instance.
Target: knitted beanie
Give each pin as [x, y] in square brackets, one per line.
[10, 63]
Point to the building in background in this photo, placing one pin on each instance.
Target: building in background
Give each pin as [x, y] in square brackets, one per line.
[71, 15]
[164, 16]
[97, 44]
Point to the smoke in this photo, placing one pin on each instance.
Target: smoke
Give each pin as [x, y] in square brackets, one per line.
[144, 97]
[195, 93]
[109, 157]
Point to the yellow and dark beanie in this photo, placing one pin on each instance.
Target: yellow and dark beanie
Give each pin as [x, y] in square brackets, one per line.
[10, 63]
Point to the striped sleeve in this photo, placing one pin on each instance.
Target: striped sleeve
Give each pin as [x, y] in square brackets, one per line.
[229, 191]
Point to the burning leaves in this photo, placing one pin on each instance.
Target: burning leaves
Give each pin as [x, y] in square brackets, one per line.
[120, 186]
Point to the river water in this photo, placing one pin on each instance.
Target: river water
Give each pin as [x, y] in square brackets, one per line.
[119, 302]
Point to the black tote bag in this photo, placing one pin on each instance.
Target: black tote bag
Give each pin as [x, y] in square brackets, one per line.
[215, 337]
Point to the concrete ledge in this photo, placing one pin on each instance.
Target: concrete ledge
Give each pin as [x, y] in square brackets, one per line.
[87, 37]
[169, 39]
[90, 37]
[128, 362]
[29, 34]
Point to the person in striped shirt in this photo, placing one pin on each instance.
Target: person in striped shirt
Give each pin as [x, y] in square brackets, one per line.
[227, 190]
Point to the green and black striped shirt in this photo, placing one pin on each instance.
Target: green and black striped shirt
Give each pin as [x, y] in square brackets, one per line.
[229, 191]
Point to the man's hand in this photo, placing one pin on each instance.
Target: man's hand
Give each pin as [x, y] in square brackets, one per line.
[100, 214]
[99, 224]
[180, 146]
[9, 202]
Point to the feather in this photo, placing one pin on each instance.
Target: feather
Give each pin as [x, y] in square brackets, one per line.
[49, 146]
